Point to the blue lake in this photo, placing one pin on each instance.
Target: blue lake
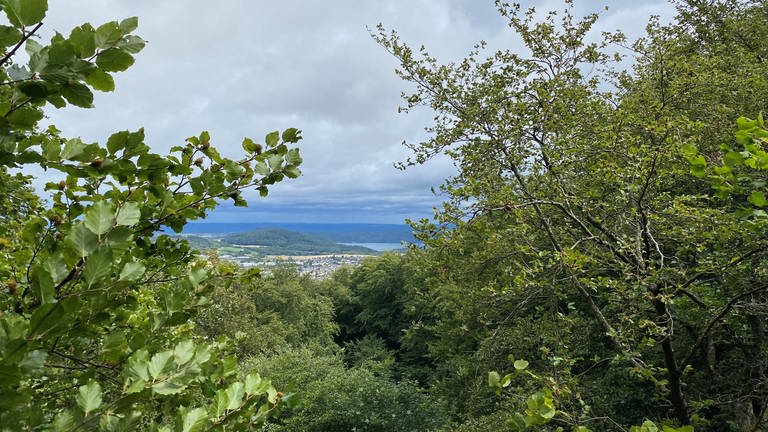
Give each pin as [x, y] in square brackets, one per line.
[380, 247]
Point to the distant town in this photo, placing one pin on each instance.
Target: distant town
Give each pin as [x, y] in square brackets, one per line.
[316, 266]
[317, 254]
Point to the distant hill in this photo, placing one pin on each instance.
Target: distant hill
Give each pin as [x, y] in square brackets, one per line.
[275, 241]
[338, 233]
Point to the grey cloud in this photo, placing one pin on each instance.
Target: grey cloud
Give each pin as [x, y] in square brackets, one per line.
[242, 68]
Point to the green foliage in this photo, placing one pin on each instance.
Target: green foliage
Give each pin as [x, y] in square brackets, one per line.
[94, 319]
[574, 231]
[271, 313]
[336, 398]
[271, 241]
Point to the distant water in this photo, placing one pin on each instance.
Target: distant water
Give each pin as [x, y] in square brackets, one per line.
[388, 235]
[378, 247]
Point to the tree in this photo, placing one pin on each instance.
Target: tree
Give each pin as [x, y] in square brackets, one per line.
[94, 317]
[574, 207]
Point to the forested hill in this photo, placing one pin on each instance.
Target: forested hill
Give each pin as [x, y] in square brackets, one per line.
[279, 241]
[345, 233]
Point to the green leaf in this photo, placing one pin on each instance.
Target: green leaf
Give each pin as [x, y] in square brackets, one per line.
[521, 365]
[235, 393]
[757, 199]
[291, 135]
[221, 402]
[183, 352]
[114, 60]
[494, 379]
[131, 44]
[72, 148]
[98, 266]
[25, 118]
[42, 284]
[46, 318]
[168, 388]
[83, 40]
[100, 217]
[272, 139]
[293, 157]
[9, 35]
[129, 214]
[33, 361]
[108, 34]
[194, 420]
[100, 80]
[33, 89]
[77, 94]
[82, 240]
[292, 171]
[129, 24]
[25, 12]
[158, 363]
[89, 397]
[255, 385]
[132, 271]
[64, 421]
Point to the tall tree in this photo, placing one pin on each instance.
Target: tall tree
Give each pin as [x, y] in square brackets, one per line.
[574, 183]
[94, 315]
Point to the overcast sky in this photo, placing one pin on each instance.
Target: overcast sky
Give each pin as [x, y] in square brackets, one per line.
[243, 68]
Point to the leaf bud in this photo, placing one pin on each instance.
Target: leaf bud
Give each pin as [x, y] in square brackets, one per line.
[205, 145]
[199, 161]
[56, 219]
[62, 185]
[11, 284]
[258, 149]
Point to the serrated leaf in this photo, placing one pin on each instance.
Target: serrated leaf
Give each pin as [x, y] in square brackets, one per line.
[64, 421]
[129, 214]
[221, 402]
[183, 352]
[98, 266]
[9, 35]
[168, 388]
[194, 420]
[272, 139]
[235, 393]
[25, 12]
[72, 148]
[101, 81]
[33, 361]
[132, 44]
[77, 94]
[291, 135]
[158, 363]
[82, 240]
[83, 40]
[132, 271]
[42, 284]
[100, 217]
[292, 171]
[89, 397]
[108, 34]
[114, 60]
[254, 385]
[129, 24]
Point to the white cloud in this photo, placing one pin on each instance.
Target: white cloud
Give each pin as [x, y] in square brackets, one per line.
[243, 68]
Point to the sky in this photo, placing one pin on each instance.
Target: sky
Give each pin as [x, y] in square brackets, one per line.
[242, 68]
